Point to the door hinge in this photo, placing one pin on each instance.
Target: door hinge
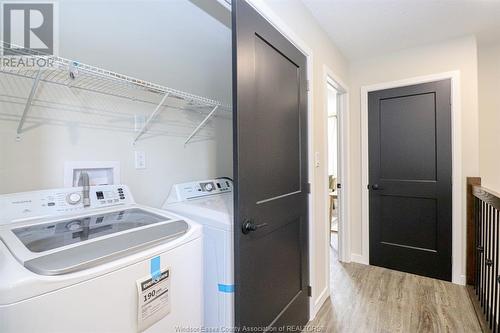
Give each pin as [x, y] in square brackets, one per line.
[308, 188]
[307, 86]
[309, 291]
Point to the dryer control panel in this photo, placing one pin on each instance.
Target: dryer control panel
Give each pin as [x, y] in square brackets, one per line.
[19, 206]
[197, 189]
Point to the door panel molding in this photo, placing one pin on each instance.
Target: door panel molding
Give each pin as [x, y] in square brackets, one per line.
[278, 197]
[409, 247]
[458, 245]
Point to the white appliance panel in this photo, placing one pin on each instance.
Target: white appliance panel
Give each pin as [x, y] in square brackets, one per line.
[108, 303]
[99, 295]
[214, 211]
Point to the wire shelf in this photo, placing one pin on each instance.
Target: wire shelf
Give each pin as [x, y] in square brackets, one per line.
[83, 76]
[77, 75]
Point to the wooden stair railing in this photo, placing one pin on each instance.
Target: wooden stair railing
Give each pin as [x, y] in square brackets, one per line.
[483, 256]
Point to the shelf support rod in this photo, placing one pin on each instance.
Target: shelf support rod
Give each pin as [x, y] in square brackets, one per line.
[151, 118]
[197, 129]
[27, 107]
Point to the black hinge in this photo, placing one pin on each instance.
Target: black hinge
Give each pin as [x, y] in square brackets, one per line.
[339, 186]
[309, 291]
[308, 188]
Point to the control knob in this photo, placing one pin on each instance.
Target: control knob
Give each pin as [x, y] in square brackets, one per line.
[209, 187]
[74, 198]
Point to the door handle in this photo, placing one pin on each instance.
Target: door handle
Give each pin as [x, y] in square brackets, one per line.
[248, 226]
[376, 187]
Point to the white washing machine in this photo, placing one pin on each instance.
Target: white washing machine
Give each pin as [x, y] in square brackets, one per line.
[210, 203]
[113, 266]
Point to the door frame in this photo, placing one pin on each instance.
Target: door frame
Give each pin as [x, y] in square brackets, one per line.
[344, 250]
[458, 243]
[318, 297]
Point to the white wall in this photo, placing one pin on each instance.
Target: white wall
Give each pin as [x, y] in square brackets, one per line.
[171, 43]
[297, 17]
[458, 54]
[489, 114]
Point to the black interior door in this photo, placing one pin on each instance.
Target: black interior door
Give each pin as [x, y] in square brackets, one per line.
[410, 169]
[270, 171]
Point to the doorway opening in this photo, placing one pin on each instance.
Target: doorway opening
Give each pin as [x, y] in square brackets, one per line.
[333, 164]
[336, 168]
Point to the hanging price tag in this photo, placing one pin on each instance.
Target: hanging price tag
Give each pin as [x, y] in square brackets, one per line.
[153, 299]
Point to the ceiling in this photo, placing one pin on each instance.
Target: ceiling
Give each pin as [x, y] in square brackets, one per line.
[369, 28]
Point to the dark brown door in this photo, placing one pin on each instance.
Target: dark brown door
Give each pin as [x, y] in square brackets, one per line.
[410, 167]
[270, 170]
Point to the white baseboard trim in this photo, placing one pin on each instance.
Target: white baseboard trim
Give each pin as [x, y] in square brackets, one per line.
[358, 258]
[323, 296]
[460, 280]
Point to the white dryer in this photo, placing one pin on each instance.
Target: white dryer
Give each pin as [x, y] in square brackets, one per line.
[114, 266]
[210, 203]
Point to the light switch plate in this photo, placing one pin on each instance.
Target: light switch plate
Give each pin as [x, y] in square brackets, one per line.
[140, 160]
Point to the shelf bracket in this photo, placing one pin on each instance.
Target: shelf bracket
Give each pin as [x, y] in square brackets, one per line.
[29, 102]
[198, 128]
[151, 118]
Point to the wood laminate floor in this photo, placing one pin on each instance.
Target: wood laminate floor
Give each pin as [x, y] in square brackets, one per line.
[373, 299]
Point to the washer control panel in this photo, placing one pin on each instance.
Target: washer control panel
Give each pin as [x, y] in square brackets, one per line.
[60, 201]
[197, 189]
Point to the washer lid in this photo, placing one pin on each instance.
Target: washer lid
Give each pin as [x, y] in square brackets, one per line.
[105, 250]
[48, 236]
[64, 245]
[216, 211]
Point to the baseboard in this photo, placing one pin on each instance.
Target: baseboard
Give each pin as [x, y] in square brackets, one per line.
[358, 258]
[459, 280]
[323, 296]
[345, 258]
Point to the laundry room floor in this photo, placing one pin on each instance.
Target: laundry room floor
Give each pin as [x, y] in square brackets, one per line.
[374, 299]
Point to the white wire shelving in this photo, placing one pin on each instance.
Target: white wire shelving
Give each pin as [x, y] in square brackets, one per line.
[77, 75]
